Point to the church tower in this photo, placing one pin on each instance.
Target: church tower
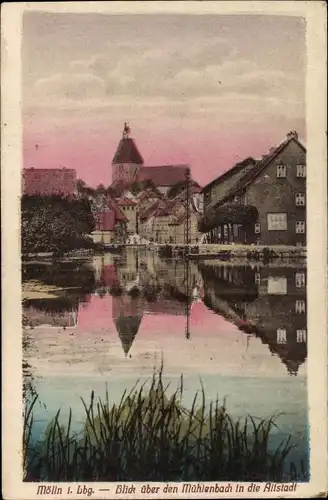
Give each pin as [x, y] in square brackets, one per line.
[127, 160]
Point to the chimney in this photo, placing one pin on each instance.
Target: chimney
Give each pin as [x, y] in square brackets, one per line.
[292, 135]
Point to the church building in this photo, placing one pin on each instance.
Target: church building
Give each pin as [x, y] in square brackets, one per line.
[128, 167]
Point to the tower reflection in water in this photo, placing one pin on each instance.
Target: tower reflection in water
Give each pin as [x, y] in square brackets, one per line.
[268, 301]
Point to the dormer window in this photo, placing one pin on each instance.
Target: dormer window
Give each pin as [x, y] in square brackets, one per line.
[300, 199]
[301, 171]
[281, 171]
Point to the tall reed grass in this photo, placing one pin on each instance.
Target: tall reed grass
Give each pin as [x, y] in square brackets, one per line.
[151, 436]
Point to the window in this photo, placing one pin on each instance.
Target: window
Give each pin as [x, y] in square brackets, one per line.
[300, 199]
[277, 285]
[257, 278]
[300, 226]
[281, 171]
[301, 171]
[300, 280]
[300, 335]
[277, 222]
[257, 228]
[300, 306]
[281, 336]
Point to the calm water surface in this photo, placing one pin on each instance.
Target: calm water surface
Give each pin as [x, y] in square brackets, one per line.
[240, 330]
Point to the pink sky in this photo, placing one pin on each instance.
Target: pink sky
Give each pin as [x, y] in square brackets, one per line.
[98, 315]
[201, 90]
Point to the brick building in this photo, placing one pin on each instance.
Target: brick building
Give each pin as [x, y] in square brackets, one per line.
[49, 181]
[262, 201]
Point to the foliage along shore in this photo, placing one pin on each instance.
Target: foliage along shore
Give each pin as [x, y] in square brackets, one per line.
[150, 436]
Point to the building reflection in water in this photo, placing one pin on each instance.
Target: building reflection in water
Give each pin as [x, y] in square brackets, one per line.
[268, 302]
[51, 312]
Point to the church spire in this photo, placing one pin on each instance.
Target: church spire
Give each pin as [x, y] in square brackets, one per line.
[127, 151]
[126, 130]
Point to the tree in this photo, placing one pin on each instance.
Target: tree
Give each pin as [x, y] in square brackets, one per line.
[55, 224]
[100, 189]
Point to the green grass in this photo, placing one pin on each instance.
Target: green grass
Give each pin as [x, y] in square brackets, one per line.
[150, 436]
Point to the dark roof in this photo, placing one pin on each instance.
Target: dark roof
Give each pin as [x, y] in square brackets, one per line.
[127, 152]
[236, 169]
[145, 214]
[259, 166]
[49, 181]
[246, 171]
[164, 175]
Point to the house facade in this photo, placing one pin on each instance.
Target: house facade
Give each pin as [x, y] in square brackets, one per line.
[110, 222]
[177, 229]
[260, 202]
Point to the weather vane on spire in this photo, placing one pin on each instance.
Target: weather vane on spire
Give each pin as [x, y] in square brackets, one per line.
[126, 130]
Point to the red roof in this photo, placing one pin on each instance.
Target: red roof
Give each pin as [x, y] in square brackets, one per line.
[125, 202]
[46, 181]
[164, 175]
[105, 221]
[107, 217]
[127, 152]
[119, 215]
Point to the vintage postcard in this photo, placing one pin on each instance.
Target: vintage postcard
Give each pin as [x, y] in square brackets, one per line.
[164, 221]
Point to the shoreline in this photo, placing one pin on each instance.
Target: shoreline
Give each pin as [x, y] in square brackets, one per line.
[208, 251]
